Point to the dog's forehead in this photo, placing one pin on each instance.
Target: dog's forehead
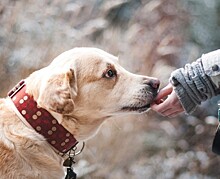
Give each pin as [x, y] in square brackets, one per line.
[94, 57]
[98, 55]
[84, 56]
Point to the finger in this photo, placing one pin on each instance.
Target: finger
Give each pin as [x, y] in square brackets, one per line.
[175, 114]
[164, 92]
[158, 110]
[162, 107]
[167, 111]
[169, 104]
[172, 112]
[159, 101]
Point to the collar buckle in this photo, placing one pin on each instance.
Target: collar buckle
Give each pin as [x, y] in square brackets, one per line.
[17, 88]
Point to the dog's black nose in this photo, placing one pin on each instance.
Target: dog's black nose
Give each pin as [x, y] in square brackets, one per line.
[154, 83]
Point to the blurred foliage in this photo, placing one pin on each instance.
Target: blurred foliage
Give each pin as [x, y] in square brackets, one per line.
[151, 37]
[202, 30]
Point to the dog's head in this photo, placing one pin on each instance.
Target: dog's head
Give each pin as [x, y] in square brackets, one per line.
[88, 83]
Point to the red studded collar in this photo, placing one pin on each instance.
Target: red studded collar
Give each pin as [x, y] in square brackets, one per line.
[40, 119]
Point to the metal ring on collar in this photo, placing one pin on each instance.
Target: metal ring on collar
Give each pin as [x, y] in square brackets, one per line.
[78, 152]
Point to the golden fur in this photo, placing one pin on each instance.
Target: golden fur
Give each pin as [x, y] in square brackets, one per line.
[77, 90]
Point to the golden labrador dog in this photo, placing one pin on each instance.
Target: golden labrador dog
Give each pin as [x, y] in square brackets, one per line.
[45, 115]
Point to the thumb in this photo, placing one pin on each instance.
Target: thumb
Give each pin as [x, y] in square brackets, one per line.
[164, 92]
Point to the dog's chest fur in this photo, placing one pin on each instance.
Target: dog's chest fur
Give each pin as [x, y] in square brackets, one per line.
[23, 152]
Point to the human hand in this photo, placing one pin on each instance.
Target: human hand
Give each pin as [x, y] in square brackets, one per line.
[170, 106]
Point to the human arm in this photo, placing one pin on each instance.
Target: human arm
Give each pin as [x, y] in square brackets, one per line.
[191, 85]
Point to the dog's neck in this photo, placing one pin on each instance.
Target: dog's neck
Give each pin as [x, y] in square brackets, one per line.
[40, 119]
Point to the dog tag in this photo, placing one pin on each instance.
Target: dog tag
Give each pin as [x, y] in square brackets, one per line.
[70, 174]
[68, 162]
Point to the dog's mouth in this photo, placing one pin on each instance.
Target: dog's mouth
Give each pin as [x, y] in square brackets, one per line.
[141, 108]
[136, 108]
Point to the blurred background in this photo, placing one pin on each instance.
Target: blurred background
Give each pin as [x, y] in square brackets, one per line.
[151, 37]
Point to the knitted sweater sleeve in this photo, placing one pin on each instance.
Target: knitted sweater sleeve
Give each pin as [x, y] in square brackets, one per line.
[198, 81]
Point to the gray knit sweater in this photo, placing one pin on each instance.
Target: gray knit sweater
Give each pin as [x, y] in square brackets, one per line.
[198, 81]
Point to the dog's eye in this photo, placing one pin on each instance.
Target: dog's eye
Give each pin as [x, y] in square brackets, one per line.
[110, 74]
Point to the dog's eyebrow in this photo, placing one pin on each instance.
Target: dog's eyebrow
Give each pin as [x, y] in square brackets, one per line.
[109, 65]
[92, 78]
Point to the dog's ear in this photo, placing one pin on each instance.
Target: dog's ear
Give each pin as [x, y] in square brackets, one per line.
[58, 92]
